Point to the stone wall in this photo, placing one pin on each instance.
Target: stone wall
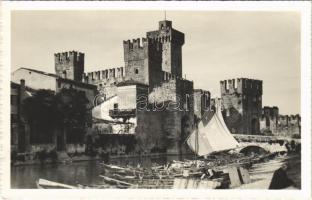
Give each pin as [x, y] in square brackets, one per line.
[201, 102]
[289, 125]
[269, 120]
[69, 65]
[164, 130]
[172, 41]
[176, 100]
[105, 80]
[143, 61]
[271, 123]
[242, 102]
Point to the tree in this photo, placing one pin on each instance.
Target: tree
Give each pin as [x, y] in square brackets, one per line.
[72, 113]
[71, 107]
[66, 110]
[40, 113]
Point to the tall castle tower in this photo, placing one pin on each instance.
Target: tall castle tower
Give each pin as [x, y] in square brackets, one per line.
[242, 103]
[69, 65]
[172, 41]
[143, 61]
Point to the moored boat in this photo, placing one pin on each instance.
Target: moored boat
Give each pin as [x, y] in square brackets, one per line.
[46, 184]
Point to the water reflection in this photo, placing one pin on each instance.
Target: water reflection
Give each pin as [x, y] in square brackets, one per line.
[86, 172]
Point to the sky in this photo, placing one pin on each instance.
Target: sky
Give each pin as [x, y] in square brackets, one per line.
[218, 45]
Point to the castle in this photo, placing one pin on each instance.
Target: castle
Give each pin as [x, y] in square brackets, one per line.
[148, 97]
[154, 59]
[153, 69]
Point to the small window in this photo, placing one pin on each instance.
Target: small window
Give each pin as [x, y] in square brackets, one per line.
[115, 106]
[64, 74]
[136, 71]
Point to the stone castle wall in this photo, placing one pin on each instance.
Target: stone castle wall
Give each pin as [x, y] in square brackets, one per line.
[242, 101]
[69, 65]
[172, 42]
[272, 123]
[201, 102]
[155, 61]
[289, 125]
[269, 120]
[143, 61]
[175, 95]
[105, 80]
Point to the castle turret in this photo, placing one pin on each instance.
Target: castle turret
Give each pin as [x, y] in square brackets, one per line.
[172, 41]
[242, 101]
[143, 61]
[69, 65]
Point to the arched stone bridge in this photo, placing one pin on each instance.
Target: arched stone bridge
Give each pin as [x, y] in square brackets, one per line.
[268, 143]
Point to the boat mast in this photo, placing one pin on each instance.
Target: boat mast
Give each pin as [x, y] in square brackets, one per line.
[196, 143]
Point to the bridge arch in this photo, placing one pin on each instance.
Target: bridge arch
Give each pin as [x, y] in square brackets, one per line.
[253, 149]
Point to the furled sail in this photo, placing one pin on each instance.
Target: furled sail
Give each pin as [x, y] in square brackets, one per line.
[211, 135]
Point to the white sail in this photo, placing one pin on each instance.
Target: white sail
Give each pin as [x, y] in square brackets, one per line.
[212, 135]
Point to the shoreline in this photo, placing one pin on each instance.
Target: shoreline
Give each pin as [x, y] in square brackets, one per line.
[84, 158]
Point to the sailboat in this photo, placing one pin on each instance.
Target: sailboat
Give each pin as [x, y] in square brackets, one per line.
[212, 134]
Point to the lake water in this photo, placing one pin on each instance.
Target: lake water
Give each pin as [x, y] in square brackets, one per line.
[85, 172]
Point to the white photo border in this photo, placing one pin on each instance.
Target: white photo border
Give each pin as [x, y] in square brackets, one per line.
[304, 7]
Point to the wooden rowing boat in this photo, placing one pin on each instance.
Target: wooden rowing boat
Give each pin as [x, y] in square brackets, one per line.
[115, 181]
[46, 184]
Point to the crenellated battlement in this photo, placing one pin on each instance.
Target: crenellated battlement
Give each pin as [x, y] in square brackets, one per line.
[161, 39]
[243, 96]
[166, 76]
[241, 86]
[69, 65]
[166, 33]
[134, 44]
[140, 43]
[69, 56]
[111, 73]
[287, 120]
[140, 49]
[272, 112]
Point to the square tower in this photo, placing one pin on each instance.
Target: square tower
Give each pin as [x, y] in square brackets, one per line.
[242, 105]
[69, 65]
[172, 41]
[143, 61]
